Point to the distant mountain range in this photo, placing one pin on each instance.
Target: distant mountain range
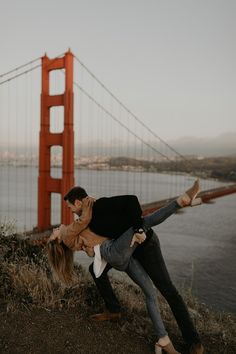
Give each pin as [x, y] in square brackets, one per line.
[222, 145]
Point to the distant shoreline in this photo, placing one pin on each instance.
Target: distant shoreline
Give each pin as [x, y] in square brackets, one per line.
[220, 168]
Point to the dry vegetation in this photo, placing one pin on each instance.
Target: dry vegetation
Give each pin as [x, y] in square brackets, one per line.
[38, 315]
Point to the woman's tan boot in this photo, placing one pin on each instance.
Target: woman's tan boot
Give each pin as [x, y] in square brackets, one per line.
[189, 197]
[168, 348]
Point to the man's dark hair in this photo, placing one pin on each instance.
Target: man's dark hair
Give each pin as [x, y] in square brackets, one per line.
[75, 193]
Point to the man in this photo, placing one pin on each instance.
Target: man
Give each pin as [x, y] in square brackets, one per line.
[110, 218]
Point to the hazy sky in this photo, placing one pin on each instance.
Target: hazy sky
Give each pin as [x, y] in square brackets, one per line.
[172, 62]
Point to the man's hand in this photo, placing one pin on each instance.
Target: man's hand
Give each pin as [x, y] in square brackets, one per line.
[139, 238]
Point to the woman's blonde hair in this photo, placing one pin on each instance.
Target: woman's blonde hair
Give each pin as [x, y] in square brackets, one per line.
[61, 261]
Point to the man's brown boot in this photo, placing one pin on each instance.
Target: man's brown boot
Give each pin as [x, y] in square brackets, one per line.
[196, 348]
[106, 316]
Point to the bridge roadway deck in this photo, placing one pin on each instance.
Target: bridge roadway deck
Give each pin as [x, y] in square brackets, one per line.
[207, 196]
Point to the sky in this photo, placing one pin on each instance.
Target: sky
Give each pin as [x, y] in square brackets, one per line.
[171, 62]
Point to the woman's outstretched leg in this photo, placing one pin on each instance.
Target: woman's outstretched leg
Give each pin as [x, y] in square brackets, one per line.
[160, 215]
[188, 198]
[118, 251]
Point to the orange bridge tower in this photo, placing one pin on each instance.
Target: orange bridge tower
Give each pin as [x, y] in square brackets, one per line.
[46, 184]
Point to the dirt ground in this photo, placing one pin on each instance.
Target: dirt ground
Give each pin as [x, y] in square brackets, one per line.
[41, 332]
[62, 332]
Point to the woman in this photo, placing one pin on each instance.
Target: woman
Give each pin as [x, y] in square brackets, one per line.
[118, 252]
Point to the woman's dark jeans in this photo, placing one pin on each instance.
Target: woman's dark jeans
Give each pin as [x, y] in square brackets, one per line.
[150, 256]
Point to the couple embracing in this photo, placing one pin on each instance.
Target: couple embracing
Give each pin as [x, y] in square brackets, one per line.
[113, 231]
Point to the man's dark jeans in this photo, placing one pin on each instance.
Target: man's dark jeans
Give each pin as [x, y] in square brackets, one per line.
[150, 256]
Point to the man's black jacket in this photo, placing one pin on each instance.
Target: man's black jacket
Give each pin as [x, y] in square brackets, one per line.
[113, 216]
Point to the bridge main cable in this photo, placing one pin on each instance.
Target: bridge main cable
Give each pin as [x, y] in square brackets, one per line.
[20, 67]
[20, 74]
[24, 72]
[128, 110]
[119, 122]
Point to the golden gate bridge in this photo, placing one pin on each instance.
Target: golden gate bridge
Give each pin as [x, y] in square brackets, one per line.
[61, 126]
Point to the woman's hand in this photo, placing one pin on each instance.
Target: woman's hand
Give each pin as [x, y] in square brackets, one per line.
[56, 235]
[87, 203]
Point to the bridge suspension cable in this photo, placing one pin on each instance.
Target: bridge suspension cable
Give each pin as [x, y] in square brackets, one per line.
[128, 110]
[20, 74]
[20, 67]
[119, 122]
[98, 104]
[25, 71]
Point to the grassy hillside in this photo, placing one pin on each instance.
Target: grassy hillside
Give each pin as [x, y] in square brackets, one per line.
[39, 315]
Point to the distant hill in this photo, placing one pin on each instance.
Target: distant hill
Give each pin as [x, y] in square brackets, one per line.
[222, 145]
